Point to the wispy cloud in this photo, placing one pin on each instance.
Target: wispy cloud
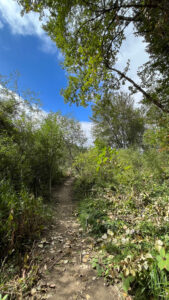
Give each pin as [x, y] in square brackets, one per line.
[29, 24]
[87, 128]
[48, 46]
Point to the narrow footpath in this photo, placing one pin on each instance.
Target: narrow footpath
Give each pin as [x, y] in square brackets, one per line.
[67, 273]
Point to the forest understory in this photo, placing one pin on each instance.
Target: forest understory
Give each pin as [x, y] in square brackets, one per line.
[105, 233]
[122, 206]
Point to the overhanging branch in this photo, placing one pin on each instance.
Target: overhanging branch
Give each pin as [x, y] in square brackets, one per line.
[147, 95]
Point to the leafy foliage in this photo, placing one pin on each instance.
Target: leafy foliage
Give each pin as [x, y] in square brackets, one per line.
[90, 35]
[117, 123]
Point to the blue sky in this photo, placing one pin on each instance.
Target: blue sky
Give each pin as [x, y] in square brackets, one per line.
[26, 48]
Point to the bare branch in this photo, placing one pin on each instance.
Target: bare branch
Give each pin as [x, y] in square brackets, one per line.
[148, 96]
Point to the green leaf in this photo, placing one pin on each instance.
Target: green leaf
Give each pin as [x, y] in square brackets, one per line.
[126, 282]
[10, 218]
[163, 260]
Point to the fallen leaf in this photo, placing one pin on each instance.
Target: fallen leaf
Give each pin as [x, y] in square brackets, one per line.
[33, 291]
[109, 232]
[85, 258]
[104, 236]
[43, 240]
[65, 261]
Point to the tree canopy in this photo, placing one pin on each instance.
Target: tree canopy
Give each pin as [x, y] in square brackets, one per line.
[117, 122]
[90, 35]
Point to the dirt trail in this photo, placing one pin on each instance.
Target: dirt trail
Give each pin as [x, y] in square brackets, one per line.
[67, 270]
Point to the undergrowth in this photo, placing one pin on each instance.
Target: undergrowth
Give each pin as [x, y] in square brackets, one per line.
[22, 220]
[128, 214]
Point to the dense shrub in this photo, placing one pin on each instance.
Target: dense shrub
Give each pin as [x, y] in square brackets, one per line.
[121, 169]
[21, 218]
[127, 210]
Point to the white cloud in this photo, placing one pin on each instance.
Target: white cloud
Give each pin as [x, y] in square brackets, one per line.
[48, 46]
[87, 128]
[29, 24]
[32, 111]
[133, 48]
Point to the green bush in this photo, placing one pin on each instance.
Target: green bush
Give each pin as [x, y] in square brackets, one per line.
[21, 217]
[123, 169]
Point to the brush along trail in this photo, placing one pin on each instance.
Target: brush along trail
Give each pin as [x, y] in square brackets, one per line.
[66, 271]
